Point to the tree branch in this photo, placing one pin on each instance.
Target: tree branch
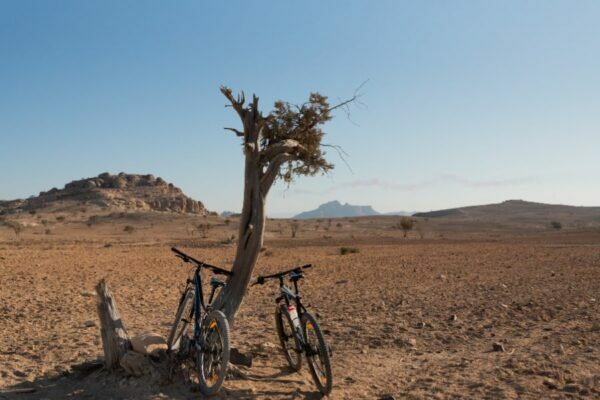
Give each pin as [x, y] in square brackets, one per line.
[238, 133]
[238, 105]
[273, 170]
[285, 146]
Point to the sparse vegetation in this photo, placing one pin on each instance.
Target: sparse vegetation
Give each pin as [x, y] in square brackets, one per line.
[294, 226]
[203, 229]
[556, 225]
[406, 224]
[14, 225]
[47, 231]
[349, 250]
[60, 218]
[129, 229]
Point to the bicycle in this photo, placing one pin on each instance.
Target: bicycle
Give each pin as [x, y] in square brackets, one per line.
[293, 321]
[208, 349]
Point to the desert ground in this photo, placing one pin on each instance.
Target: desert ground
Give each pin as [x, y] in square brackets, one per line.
[412, 318]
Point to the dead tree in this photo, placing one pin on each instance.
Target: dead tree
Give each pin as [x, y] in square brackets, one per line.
[284, 144]
[115, 340]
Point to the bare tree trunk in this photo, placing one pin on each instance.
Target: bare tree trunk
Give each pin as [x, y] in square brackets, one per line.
[252, 222]
[115, 340]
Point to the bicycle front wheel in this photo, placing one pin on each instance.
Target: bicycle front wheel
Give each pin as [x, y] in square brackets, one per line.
[317, 354]
[183, 319]
[213, 356]
[287, 338]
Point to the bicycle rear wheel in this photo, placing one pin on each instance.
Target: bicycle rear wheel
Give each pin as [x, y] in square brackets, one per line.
[289, 342]
[317, 354]
[183, 319]
[213, 356]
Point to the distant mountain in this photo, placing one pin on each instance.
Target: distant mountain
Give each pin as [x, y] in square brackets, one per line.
[520, 211]
[335, 209]
[403, 213]
[122, 192]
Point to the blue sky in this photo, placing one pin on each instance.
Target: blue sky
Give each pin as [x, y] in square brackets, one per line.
[466, 103]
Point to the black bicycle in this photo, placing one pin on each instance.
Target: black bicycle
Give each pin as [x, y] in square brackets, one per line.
[299, 331]
[207, 351]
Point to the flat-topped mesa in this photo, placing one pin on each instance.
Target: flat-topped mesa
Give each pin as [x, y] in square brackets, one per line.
[126, 192]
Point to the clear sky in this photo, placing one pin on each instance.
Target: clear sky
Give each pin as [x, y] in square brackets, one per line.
[466, 103]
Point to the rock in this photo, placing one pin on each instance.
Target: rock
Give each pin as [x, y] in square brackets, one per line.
[443, 277]
[267, 347]
[498, 347]
[571, 388]
[238, 358]
[453, 317]
[134, 364]
[148, 343]
[551, 383]
[412, 342]
[87, 294]
[387, 397]
[89, 324]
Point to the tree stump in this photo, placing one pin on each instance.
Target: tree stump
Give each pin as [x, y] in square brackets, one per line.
[115, 340]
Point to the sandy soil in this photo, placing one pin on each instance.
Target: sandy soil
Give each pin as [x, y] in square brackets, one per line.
[413, 318]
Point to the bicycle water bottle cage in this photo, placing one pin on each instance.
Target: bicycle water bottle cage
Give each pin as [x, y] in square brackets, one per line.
[214, 282]
[295, 275]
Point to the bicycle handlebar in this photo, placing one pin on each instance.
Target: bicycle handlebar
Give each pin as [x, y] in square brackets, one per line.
[200, 264]
[261, 279]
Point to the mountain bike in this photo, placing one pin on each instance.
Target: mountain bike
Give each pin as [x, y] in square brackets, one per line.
[299, 331]
[207, 350]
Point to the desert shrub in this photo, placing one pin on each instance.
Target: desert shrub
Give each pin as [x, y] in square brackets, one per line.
[203, 229]
[227, 221]
[556, 225]
[268, 253]
[32, 212]
[15, 226]
[60, 218]
[339, 224]
[47, 231]
[406, 224]
[229, 240]
[44, 222]
[129, 229]
[294, 226]
[107, 245]
[349, 250]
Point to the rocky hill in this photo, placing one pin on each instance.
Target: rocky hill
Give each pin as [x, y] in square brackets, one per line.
[335, 209]
[522, 212]
[123, 192]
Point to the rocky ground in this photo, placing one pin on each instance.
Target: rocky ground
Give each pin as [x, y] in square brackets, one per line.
[466, 315]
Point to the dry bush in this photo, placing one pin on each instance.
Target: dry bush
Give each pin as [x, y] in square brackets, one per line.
[406, 224]
[349, 250]
[60, 218]
[556, 225]
[129, 229]
[203, 229]
[294, 226]
[229, 240]
[15, 226]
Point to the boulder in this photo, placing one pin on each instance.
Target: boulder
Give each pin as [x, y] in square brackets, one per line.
[148, 343]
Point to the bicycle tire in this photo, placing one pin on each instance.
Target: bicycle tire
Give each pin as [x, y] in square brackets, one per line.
[214, 353]
[322, 369]
[181, 324]
[294, 361]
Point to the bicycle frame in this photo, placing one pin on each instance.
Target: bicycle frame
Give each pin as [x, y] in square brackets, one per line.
[289, 295]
